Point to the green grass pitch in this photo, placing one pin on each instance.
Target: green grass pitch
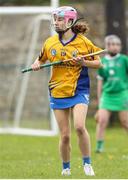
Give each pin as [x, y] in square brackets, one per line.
[38, 157]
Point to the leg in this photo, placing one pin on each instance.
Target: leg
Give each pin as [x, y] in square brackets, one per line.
[79, 114]
[123, 115]
[96, 117]
[62, 117]
[103, 119]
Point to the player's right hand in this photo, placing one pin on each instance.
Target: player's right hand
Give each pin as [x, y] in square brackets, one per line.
[36, 65]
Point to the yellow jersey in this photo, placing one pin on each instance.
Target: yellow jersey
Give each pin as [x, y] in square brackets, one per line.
[67, 79]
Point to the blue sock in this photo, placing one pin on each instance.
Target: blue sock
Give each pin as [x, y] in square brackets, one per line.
[86, 160]
[66, 165]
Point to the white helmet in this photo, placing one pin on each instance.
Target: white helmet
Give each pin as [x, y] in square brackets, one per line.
[68, 13]
[113, 39]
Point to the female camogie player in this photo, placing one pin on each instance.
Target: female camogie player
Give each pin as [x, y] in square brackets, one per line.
[69, 84]
[112, 88]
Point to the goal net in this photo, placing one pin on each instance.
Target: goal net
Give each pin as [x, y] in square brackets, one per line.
[24, 104]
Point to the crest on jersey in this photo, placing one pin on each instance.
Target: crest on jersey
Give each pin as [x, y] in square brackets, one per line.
[74, 53]
[53, 52]
[111, 72]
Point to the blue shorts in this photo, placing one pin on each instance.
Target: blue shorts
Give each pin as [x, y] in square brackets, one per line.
[63, 103]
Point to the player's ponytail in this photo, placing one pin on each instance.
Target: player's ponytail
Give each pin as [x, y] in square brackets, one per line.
[80, 27]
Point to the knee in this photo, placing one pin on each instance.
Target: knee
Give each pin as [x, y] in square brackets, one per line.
[65, 139]
[124, 123]
[80, 130]
[96, 116]
[102, 123]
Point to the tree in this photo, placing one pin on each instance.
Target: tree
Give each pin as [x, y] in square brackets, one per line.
[115, 17]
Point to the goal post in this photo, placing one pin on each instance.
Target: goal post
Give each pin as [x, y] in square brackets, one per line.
[29, 9]
[19, 91]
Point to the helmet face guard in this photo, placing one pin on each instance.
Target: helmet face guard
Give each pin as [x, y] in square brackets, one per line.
[68, 14]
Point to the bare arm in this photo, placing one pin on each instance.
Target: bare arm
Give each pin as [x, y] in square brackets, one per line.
[36, 65]
[41, 59]
[96, 63]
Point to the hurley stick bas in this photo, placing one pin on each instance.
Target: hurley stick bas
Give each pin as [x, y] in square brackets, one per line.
[60, 61]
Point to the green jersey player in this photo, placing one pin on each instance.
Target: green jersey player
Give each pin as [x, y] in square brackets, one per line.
[112, 88]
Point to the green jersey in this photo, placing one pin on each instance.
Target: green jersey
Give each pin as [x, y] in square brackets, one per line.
[114, 73]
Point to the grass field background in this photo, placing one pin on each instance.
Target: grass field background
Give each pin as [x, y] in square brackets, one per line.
[38, 157]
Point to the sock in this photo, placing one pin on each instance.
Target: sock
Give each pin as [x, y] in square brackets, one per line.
[99, 145]
[86, 160]
[66, 165]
